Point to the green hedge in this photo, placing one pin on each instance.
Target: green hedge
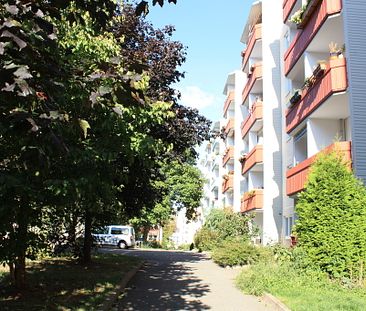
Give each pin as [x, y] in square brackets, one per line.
[238, 253]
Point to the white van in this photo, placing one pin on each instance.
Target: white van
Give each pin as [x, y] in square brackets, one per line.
[116, 235]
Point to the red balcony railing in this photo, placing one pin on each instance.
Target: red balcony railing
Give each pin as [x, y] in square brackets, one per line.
[228, 101]
[256, 73]
[306, 35]
[297, 176]
[254, 157]
[252, 200]
[255, 114]
[229, 154]
[334, 80]
[254, 37]
[288, 5]
[229, 128]
[228, 183]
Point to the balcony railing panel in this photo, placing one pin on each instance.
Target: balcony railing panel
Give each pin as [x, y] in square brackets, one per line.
[297, 176]
[333, 81]
[306, 35]
[228, 101]
[229, 154]
[255, 114]
[254, 157]
[256, 73]
[252, 200]
[229, 128]
[254, 37]
[228, 183]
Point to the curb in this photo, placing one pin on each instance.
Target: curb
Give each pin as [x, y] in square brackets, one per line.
[276, 303]
[113, 295]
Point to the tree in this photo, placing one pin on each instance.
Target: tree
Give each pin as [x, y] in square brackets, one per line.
[72, 120]
[161, 57]
[32, 79]
[181, 187]
[332, 218]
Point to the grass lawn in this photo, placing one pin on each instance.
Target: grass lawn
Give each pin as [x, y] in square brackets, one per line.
[300, 291]
[62, 284]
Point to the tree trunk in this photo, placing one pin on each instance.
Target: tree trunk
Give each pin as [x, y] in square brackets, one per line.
[20, 252]
[87, 238]
[11, 272]
[19, 272]
[145, 233]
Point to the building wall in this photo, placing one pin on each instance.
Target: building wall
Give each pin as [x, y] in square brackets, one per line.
[272, 117]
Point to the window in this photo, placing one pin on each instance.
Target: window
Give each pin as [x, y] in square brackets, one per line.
[119, 231]
[102, 230]
[289, 222]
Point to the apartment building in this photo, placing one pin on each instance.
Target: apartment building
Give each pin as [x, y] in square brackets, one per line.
[323, 66]
[212, 169]
[300, 91]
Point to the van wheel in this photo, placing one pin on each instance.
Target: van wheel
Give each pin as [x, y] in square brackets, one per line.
[122, 245]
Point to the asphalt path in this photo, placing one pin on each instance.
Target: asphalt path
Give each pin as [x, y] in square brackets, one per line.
[175, 280]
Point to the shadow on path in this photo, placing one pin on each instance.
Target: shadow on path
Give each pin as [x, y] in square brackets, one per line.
[166, 282]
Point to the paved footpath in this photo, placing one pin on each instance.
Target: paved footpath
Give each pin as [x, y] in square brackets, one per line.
[173, 280]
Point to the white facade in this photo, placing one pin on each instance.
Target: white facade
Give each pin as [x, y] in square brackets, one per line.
[291, 100]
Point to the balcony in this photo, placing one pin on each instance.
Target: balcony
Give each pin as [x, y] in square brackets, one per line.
[229, 154]
[252, 200]
[288, 6]
[334, 80]
[229, 100]
[297, 176]
[253, 158]
[229, 128]
[228, 183]
[256, 35]
[255, 115]
[254, 75]
[311, 28]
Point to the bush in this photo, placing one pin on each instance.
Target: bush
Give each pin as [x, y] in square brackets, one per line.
[206, 239]
[221, 225]
[238, 253]
[331, 227]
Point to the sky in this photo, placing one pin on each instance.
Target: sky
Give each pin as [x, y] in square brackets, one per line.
[211, 29]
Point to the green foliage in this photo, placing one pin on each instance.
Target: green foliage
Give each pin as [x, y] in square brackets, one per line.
[82, 143]
[331, 227]
[168, 230]
[299, 289]
[222, 224]
[237, 252]
[228, 224]
[206, 239]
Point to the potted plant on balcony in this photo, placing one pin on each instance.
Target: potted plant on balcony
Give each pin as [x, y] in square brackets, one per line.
[243, 158]
[296, 96]
[250, 194]
[320, 68]
[296, 18]
[334, 51]
[309, 81]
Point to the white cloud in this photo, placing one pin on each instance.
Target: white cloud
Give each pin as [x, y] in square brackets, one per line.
[194, 97]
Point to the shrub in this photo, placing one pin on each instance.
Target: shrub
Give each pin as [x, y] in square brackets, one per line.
[220, 225]
[228, 224]
[206, 239]
[237, 252]
[331, 227]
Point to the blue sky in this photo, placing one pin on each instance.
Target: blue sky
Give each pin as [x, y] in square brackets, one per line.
[211, 29]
